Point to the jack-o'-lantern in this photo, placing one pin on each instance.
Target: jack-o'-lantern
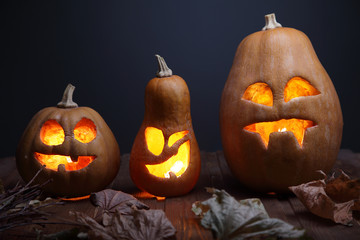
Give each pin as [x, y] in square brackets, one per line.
[165, 157]
[280, 116]
[76, 146]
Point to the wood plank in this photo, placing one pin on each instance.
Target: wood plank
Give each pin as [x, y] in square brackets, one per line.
[213, 170]
[178, 209]
[280, 207]
[320, 228]
[214, 173]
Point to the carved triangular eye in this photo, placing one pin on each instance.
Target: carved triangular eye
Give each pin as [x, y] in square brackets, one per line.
[299, 87]
[259, 93]
[154, 140]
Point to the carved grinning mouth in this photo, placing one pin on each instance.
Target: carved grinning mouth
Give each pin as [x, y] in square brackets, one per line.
[177, 164]
[294, 125]
[54, 161]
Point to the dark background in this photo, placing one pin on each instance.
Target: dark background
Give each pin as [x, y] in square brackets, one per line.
[106, 49]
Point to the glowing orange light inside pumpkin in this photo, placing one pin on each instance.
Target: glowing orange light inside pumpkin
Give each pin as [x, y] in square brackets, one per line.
[298, 87]
[85, 130]
[177, 163]
[259, 93]
[297, 126]
[154, 140]
[52, 133]
[53, 161]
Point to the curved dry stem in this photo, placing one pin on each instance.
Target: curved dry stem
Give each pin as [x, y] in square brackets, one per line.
[164, 70]
[67, 101]
[270, 22]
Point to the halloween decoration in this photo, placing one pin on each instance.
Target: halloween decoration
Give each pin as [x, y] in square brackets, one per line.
[165, 157]
[280, 116]
[78, 149]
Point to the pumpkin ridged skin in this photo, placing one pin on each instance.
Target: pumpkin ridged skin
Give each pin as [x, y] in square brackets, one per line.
[275, 56]
[167, 107]
[94, 177]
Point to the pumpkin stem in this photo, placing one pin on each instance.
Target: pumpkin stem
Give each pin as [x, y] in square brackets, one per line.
[164, 70]
[270, 22]
[67, 101]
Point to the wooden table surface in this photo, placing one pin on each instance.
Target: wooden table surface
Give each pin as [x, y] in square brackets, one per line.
[214, 173]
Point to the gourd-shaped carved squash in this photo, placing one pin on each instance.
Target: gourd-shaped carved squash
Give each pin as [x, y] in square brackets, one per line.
[280, 116]
[78, 149]
[165, 157]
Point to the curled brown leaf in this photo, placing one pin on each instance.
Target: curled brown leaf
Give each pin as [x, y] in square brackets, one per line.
[122, 216]
[111, 200]
[333, 198]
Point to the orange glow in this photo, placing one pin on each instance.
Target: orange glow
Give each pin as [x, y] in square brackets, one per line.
[297, 126]
[76, 198]
[176, 136]
[259, 93]
[53, 161]
[52, 133]
[143, 195]
[154, 140]
[298, 87]
[177, 163]
[146, 195]
[85, 130]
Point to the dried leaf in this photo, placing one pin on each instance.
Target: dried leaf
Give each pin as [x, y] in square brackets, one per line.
[138, 224]
[124, 217]
[143, 224]
[333, 198]
[342, 188]
[97, 231]
[245, 219]
[111, 200]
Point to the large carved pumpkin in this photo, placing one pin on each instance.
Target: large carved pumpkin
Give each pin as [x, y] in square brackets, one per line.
[165, 157]
[78, 149]
[280, 116]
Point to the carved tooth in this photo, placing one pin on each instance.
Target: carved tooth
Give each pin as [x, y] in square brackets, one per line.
[61, 168]
[172, 175]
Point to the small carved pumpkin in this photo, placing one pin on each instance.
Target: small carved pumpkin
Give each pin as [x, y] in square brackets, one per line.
[165, 157]
[78, 149]
[280, 116]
